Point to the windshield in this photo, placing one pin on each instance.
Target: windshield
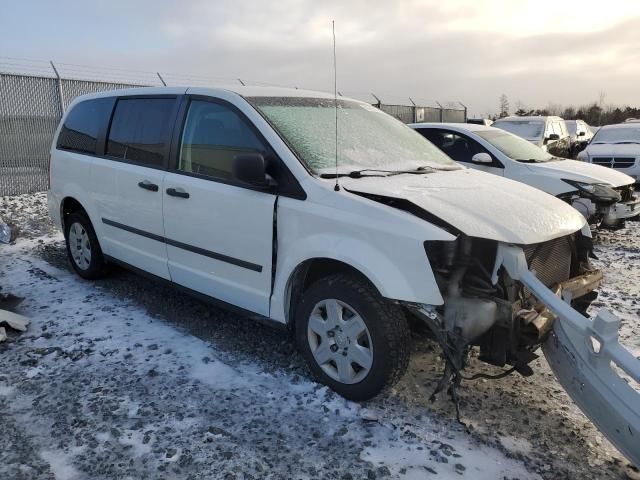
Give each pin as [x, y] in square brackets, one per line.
[572, 126]
[617, 135]
[367, 137]
[514, 147]
[524, 128]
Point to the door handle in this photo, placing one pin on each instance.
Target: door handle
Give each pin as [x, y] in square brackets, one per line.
[177, 192]
[147, 185]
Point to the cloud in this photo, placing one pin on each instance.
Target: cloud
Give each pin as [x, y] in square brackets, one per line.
[538, 52]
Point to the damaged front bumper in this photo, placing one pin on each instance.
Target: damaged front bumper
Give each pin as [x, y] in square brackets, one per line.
[624, 210]
[585, 356]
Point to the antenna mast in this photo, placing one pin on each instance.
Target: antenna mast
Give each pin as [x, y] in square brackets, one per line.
[335, 97]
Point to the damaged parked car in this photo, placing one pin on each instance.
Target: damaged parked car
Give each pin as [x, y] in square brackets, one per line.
[604, 196]
[332, 218]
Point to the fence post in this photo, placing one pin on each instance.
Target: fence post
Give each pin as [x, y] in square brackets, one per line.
[414, 109]
[161, 79]
[441, 112]
[379, 104]
[59, 81]
[465, 111]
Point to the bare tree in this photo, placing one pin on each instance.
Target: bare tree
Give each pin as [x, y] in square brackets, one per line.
[504, 106]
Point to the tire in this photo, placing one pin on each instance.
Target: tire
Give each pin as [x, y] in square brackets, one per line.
[83, 249]
[384, 345]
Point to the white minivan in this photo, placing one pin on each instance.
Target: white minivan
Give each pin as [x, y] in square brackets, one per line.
[244, 197]
[604, 196]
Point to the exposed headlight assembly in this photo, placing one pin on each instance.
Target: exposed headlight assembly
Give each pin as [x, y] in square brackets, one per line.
[595, 191]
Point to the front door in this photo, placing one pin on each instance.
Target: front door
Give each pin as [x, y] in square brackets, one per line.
[219, 233]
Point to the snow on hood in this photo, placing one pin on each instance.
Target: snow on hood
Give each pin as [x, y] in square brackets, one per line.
[479, 204]
[582, 172]
[613, 150]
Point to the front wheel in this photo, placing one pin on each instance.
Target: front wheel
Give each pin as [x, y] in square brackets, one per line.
[355, 341]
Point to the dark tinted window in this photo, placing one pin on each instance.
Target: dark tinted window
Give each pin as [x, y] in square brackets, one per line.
[458, 147]
[213, 135]
[83, 125]
[140, 129]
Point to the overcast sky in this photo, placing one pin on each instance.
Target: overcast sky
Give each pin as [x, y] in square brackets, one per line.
[535, 52]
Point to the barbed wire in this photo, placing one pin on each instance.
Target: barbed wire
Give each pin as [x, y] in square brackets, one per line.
[122, 75]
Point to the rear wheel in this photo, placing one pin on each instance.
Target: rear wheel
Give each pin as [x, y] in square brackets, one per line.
[83, 248]
[353, 339]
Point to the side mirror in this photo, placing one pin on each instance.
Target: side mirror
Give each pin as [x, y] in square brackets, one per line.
[250, 168]
[482, 157]
[582, 134]
[553, 136]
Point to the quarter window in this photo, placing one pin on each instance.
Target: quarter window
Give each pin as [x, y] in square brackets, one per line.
[214, 135]
[140, 129]
[83, 125]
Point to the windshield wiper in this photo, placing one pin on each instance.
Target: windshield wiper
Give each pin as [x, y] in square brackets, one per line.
[626, 142]
[371, 172]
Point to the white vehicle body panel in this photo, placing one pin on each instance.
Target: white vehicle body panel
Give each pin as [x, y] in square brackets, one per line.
[119, 200]
[470, 202]
[234, 227]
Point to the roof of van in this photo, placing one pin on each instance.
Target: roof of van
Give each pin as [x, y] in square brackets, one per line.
[531, 118]
[245, 91]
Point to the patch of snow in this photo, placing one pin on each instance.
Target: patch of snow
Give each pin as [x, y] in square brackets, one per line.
[6, 390]
[60, 465]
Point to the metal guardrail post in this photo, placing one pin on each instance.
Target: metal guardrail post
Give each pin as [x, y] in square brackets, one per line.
[59, 81]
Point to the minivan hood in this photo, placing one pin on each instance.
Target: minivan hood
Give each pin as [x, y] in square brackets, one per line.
[613, 150]
[479, 204]
[582, 172]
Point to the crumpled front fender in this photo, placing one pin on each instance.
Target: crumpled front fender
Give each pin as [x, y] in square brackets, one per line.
[583, 354]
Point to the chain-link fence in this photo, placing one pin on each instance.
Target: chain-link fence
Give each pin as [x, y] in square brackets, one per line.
[30, 110]
[415, 113]
[32, 104]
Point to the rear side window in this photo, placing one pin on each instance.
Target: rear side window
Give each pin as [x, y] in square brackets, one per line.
[83, 125]
[140, 130]
[214, 135]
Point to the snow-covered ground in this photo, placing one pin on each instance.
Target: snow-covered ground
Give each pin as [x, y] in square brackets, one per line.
[122, 378]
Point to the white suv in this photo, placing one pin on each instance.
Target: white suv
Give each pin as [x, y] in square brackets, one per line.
[235, 194]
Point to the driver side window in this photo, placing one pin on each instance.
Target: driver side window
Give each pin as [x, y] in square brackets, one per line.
[459, 147]
[213, 136]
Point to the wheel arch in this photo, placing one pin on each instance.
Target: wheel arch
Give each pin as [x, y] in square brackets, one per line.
[309, 271]
[68, 205]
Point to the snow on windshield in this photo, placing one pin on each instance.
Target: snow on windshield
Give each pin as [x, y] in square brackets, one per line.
[514, 147]
[617, 135]
[524, 129]
[367, 137]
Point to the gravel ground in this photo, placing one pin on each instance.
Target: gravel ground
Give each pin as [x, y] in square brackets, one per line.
[124, 378]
